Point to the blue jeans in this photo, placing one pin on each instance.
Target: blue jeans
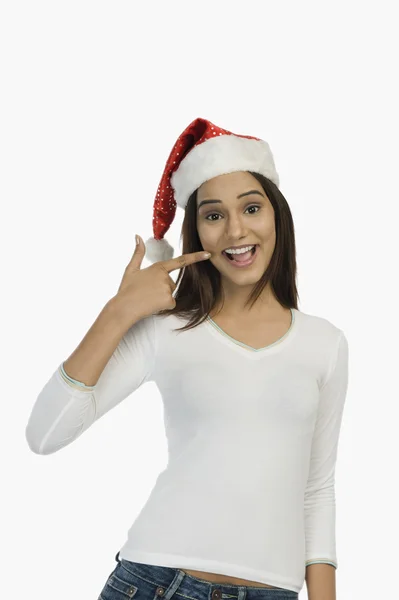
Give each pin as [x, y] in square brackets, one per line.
[152, 582]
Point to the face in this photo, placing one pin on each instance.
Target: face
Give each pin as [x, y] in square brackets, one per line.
[235, 219]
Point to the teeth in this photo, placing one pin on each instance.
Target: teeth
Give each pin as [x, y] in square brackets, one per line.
[240, 250]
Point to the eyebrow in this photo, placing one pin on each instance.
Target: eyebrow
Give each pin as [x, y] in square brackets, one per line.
[240, 196]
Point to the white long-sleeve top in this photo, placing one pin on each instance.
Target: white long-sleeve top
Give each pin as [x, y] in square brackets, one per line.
[252, 435]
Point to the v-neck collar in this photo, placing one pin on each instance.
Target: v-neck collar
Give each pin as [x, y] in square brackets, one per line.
[246, 350]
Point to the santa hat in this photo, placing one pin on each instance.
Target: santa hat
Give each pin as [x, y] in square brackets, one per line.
[201, 152]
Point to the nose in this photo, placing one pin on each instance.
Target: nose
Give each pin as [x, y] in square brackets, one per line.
[235, 228]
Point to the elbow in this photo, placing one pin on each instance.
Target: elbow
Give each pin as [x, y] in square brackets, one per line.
[34, 446]
[58, 420]
[320, 490]
[36, 443]
[42, 443]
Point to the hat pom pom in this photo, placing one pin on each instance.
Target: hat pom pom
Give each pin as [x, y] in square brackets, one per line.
[157, 250]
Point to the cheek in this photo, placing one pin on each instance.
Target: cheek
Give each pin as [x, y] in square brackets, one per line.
[266, 231]
[208, 237]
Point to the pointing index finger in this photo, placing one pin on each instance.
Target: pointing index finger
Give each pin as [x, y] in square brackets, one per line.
[185, 259]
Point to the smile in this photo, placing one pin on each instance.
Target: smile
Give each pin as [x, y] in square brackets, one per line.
[243, 264]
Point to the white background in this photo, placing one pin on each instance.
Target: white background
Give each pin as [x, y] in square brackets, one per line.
[93, 97]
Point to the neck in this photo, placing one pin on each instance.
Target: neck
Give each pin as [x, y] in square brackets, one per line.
[234, 304]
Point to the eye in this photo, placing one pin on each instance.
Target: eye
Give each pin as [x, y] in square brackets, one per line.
[214, 213]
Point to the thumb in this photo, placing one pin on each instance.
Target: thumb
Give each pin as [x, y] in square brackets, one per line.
[139, 253]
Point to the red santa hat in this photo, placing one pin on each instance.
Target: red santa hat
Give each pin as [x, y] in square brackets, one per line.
[201, 152]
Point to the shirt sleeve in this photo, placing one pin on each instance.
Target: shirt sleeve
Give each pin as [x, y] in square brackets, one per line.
[64, 410]
[320, 489]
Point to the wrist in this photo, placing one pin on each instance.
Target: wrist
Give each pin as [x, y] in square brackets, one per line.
[122, 314]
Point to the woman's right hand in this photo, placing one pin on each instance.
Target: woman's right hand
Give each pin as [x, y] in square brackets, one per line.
[143, 292]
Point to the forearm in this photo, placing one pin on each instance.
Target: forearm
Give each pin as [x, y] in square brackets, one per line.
[63, 411]
[320, 582]
[88, 360]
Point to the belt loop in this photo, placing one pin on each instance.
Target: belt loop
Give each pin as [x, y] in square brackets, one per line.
[117, 557]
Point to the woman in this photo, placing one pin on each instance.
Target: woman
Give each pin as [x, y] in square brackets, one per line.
[253, 388]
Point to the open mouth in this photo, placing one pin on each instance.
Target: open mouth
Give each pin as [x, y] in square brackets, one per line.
[244, 260]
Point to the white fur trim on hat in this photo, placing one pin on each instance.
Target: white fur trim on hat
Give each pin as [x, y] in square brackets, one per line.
[157, 250]
[217, 156]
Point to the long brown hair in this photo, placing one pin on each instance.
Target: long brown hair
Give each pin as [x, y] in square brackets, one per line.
[199, 284]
